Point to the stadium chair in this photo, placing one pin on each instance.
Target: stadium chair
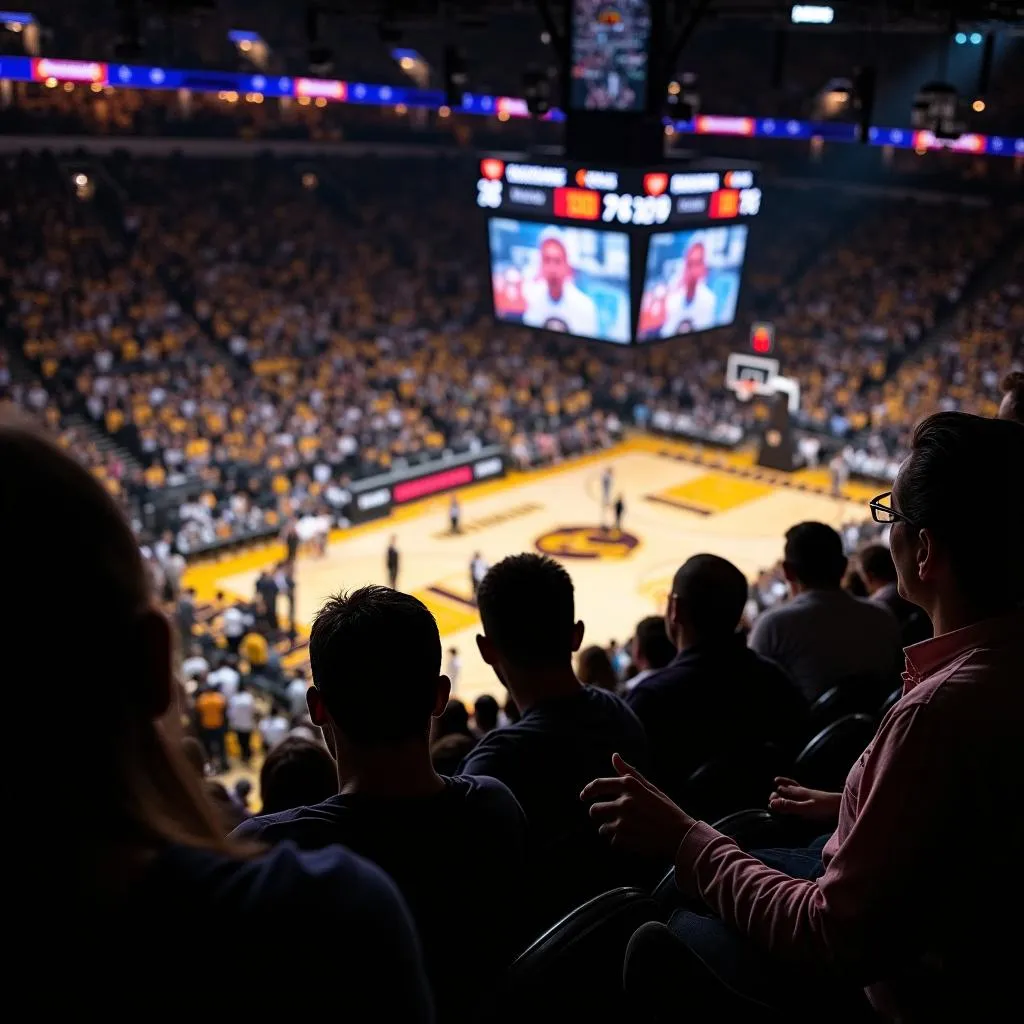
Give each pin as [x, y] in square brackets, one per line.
[825, 762]
[858, 695]
[574, 970]
[733, 782]
[890, 702]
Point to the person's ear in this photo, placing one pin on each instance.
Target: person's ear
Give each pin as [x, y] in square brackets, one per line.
[155, 656]
[444, 692]
[315, 706]
[486, 649]
[577, 636]
[926, 557]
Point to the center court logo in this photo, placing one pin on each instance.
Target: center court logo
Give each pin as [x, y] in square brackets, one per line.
[587, 542]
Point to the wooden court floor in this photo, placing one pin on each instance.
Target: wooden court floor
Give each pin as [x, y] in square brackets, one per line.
[679, 502]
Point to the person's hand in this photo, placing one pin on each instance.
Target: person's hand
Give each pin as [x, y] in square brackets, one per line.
[635, 815]
[790, 797]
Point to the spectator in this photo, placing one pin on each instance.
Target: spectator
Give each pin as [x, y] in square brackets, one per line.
[451, 738]
[137, 840]
[273, 728]
[485, 715]
[566, 732]
[211, 723]
[185, 614]
[226, 676]
[716, 697]
[296, 773]
[228, 810]
[195, 664]
[944, 763]
[1012, 405]
[296, 695]
[653, 649]
[594, 668]
[242, 720]
[878, 571]
[375, 655]
[824, 637]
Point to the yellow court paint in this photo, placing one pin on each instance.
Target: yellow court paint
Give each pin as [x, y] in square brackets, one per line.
[716, 492]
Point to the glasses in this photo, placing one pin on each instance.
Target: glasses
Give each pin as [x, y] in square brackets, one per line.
[882, 513]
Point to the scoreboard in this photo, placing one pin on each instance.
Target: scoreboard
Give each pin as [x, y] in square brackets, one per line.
[660, 197]
[617, 254]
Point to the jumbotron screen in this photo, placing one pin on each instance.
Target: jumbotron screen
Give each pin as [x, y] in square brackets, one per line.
[692, 281]
[565, 279]
[623, 255]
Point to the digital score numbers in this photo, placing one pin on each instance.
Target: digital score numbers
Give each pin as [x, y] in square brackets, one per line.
[630, 197]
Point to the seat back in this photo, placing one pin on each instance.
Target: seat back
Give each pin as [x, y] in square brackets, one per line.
[826, 761]
[733, 782]
[574, 970]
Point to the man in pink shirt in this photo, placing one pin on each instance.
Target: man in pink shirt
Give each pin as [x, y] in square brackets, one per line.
[922, 890]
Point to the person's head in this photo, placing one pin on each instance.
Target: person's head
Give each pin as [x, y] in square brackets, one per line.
[1012, 405]
[554, 262]
[652, 647]
[877, 569]
[594, 668]
[296, 773]
[453, 652]
[526, 605]
[695, 267]
[706, 603]
[813, 558]
[375, 655]
[454, 719]
[135, 789]
[485, 713]
[958, 539]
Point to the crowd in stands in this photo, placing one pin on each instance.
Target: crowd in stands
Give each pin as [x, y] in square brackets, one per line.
[265, 332]
[873, 908]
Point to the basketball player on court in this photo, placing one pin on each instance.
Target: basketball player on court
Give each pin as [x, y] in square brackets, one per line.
[620, 511]
[839, 472]
[392, 562]
[454, 515]
[553, 301]
[691, 306]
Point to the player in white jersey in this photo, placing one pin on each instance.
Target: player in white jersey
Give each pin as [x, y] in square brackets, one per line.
[691, 306]
[554, 302]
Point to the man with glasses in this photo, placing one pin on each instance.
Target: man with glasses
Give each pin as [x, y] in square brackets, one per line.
[922, 877]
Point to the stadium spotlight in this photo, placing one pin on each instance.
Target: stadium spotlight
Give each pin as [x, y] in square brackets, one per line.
[976, 39]
[978, 106]
[811, 14]
[960, 38]
[81, 180]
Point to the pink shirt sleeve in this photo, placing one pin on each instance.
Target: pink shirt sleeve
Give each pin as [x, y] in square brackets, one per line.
[862, 905]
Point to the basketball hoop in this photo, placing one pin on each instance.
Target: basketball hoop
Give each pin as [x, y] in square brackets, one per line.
[745, 389]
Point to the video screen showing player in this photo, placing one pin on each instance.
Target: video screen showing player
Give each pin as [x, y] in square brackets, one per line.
[609, 54]
[692, 281]
[571, 280]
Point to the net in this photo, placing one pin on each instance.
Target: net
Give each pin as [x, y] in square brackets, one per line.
[744, 389]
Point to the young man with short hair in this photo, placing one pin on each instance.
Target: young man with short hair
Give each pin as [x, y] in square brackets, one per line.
[375, 656]
[823, 636]
[566, 731]
[716, 697]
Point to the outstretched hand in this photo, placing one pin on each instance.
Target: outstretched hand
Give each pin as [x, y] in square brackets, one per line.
[790, 797]
[634, 814]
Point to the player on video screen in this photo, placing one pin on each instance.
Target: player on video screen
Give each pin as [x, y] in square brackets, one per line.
[553, 301]
[691, 305]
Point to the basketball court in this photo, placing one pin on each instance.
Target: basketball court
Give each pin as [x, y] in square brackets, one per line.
[680, 500]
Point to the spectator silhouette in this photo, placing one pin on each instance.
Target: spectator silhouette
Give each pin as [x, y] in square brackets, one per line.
[375, 657]
[823, 636]
[137, 842]
[565, 734]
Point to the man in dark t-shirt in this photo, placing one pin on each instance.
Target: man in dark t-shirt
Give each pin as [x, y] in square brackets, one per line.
[566, 731]
[375, 656]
